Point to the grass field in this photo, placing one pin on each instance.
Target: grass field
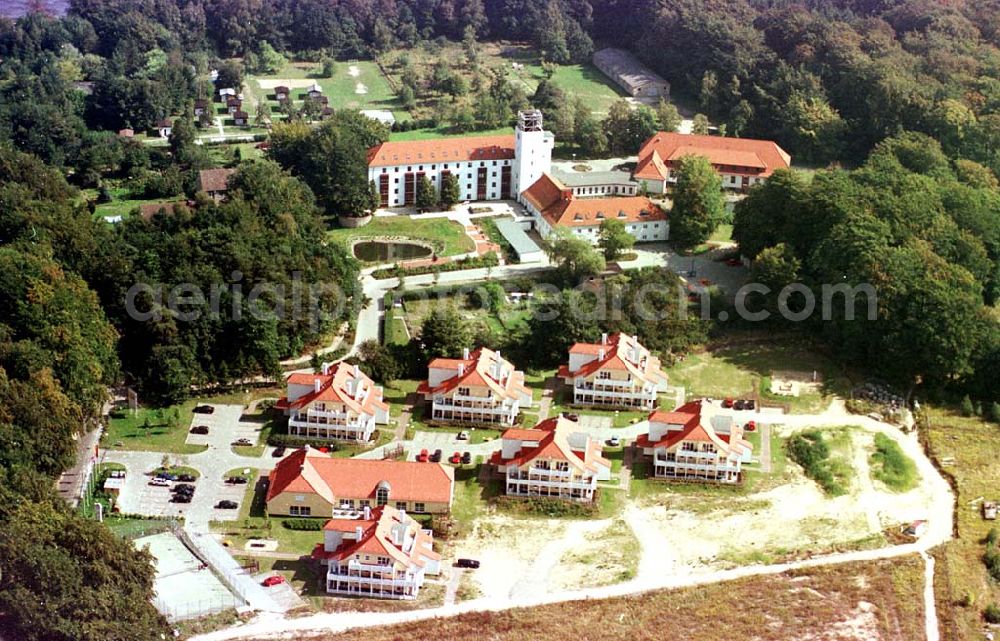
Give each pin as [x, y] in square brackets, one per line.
[444, 131]
[738, 370]
[447, 237]
[341, 89]
[159, 430]
[767, 608]
[965, 449]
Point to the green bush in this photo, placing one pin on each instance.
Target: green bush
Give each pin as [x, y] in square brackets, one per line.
[891, 466]
[991, 537]
[304, 524]
[966, 407]
[544, 506]
[810, 450]
[290, 440]
[992, 613]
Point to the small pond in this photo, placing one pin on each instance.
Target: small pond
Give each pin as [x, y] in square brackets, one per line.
[372, 251]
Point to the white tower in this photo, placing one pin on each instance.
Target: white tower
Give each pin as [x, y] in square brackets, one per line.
[532, 150]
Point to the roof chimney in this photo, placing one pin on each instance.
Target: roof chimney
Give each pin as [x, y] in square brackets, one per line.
[461, 369]
[316, 384]
[368, 512]
[325, 368]
[465, 354]
[600, 354]
[604, 338]
[358, 533]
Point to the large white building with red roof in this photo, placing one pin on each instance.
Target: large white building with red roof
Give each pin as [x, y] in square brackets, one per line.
[377, 553]
[308, 482]
[553, 206]
[554, 459]
[742, 162]
[341, 403]
[618, 372]
[695, 442]
[480, 388]
[487, 167]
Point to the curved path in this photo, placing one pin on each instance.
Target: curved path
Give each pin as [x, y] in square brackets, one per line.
[939, 531]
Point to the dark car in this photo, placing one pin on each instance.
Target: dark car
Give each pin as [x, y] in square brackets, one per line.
[278, 452]
[739, 404]
[167, 475]
[466, 458]
[199, 429]
[180, 498]
[226, 505]
[186, 478]
[236, 479]
[467, 563]
[184, 488]
[750, 404]
[204, 409]
[436, 456]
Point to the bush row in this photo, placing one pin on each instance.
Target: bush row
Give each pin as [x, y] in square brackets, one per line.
[290, 440]
[304, 524]
[486, 260]
[544, 506]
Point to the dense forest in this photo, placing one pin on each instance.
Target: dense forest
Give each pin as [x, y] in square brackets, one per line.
[898, 101]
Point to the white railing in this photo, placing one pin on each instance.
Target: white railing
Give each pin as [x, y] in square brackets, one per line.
[558, 483]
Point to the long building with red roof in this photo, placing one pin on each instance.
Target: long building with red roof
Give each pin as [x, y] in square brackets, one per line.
[695, 442]
[341, 403]
[617, 372]
[486, 167]
[742, 162]
[556, 206]
[554, 459]
[308, 482]
[378, 553]
[480, 388]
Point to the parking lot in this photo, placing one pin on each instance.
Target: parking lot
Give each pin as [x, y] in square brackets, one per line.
[224, 427]
[448, 443]
[283, 593]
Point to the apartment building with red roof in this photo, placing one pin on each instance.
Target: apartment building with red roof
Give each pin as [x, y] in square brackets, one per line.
[487, 167]
[742, 162]
[618, 372]
[695, 442]
[308, 482]
[554, 205]
[340, 403]
[480, 388]
[554, 459]
[380, 553]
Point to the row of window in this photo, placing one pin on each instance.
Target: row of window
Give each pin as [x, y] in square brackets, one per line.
[381, 498]
[494, 163]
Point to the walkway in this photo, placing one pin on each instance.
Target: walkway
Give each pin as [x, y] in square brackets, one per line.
[71, 483]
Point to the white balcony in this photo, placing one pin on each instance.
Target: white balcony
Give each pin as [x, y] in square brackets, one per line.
[563, 484]
[697, 467]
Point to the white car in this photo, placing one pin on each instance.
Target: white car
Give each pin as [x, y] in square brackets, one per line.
[160, 482]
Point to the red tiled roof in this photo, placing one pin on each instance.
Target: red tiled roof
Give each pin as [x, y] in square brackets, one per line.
[309, 471]
[695, 428]
[479, 372]
[333, 387]
[148, 210]
[651, 167]
[442, 150]
[559, 206]
[758, 157]
[618, 355]
[214, 179]
[377, 538]
[552, 445]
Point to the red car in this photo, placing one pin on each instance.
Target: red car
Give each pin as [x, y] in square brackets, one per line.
[750, 426]
[456, 458]
[423, 456]
[727, 402]
[734, 262]
[273, 580]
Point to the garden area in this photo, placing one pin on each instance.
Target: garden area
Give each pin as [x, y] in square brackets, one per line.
[152, 429]
[357, 84]
[448, 238]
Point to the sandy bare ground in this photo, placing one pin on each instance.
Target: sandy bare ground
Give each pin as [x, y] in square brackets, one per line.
[291, 83]
[353, 71]
[360, 88]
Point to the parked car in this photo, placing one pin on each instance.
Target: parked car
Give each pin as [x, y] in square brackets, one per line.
[466, 458]
[455, 459]
[749, 404]
[186, 478]
[199, 429]
[242, 441]
[273, 580]
[436, 456]
[167, 475]
[422, 457]
[734, 262]
[226, 505]
[183, 487]
[278, 451]
[204, 409]
[751, 426]
[467, 563]
[237, 480]
[160, 482]
[614, 441]
[729, 402]
[739, 404]
[463, 436]
[180, 498]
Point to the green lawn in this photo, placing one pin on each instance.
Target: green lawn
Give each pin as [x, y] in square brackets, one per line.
[447, 237]
[722, 234]
[159, 430]
[341, 89]
[738, 370]
[620, 418]
[445, 131]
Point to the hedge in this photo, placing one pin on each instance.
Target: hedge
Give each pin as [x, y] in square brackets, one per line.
[291, 440]
[304, 524]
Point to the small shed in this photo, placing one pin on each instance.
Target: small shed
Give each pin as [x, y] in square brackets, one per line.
[315, 91]
[526, 249]
[281, 92]
[241, 118]
[164, 127]
[384, 116]
[200, 107]
[126, 133]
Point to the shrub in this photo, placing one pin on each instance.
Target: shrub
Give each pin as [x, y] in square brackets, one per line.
[993, 414]
[891, 466]
[810, 450]
[992, 561]
[992, 613]
[544, 506]
[290, 440]
[991, 537]
[304, 524]
[966, 406]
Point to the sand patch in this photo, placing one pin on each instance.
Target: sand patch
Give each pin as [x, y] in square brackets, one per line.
[353, 71]
[360, 88]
